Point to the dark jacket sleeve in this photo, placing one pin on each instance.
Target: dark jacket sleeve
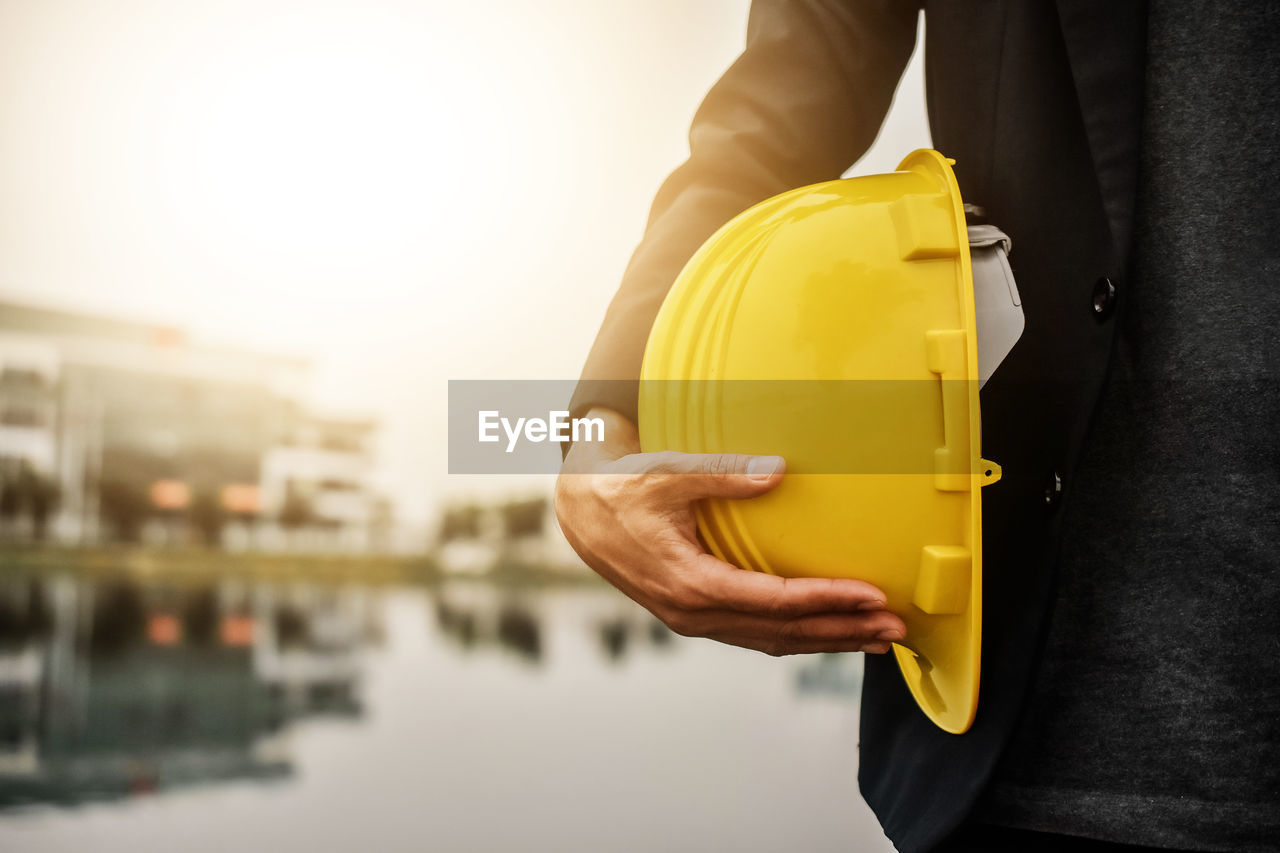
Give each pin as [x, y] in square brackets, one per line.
[801, 104]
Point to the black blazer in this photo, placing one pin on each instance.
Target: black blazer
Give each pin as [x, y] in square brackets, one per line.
[1040, 105]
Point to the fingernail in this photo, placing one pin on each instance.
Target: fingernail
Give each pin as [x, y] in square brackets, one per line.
[893, 635]
[873, 604]
[763, 467]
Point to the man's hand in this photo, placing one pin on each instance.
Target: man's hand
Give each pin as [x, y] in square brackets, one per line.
[629, 515]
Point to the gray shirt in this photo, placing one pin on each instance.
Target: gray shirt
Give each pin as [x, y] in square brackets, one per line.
[1155, 715]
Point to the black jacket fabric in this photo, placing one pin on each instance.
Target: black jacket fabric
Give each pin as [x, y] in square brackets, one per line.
[1040, 106]
[1152, 716]
[1039, 103]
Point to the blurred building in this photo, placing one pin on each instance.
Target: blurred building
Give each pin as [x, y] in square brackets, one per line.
[115, 430]
[317, 478]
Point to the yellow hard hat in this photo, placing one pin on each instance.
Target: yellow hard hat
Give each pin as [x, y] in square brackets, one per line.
[834, 326]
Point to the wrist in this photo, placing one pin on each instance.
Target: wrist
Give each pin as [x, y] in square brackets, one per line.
[620, 438]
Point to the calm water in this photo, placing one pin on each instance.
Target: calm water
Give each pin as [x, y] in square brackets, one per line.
[468, 717]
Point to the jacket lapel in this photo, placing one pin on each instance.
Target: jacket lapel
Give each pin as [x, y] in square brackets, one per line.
[1106, 45]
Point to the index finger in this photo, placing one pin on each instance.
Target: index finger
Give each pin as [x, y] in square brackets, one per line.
[731, 588]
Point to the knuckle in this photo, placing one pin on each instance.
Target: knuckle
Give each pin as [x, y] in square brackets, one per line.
[637, 479]
[679, 591]
[667, 462]
[776, 604]
[682, 608]
[659, 463]
[679, 621]
[673, 610]
[609, 489]
[784, 640]
[652, 483]
[684, 596]
[721, 465]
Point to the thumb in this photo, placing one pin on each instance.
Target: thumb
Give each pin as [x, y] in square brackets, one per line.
[718, 475]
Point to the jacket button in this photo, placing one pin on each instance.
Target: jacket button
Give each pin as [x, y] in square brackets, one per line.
[1104, 298]
[1053, 490]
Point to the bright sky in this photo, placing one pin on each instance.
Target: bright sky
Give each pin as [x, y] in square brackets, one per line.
[404, 191]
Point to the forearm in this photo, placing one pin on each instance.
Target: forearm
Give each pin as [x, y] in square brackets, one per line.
[804, 100]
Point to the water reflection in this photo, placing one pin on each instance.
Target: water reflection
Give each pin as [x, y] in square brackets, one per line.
[621, 632]
[509, 626]
[398, 717]
[478, 615]
[115, 688]
[829, 675]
